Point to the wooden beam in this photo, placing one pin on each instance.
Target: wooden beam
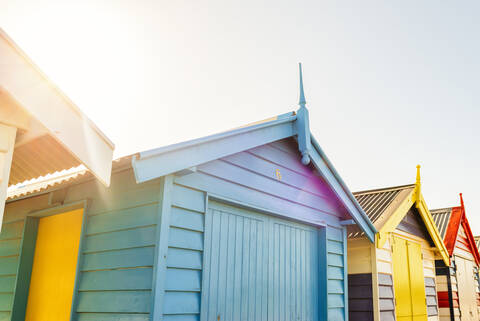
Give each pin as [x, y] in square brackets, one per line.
[7, 144]
[11, 113]
[347, 222]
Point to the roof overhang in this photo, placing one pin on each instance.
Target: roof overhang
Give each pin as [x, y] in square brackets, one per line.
[42, 131]
[175, 158]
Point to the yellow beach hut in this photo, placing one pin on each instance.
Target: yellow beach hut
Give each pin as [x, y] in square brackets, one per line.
[394, 279]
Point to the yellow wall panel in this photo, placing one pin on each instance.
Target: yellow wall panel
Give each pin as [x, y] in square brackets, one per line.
[54, 267]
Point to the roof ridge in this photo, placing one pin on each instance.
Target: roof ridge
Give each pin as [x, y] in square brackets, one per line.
[384, 189]
[442, 209]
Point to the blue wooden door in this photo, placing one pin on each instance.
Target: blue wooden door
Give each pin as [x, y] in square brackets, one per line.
[258, 267]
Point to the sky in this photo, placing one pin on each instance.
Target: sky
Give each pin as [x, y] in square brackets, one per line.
[389, 84]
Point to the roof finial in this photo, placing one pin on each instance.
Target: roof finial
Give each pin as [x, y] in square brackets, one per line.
[301, 101]
[418, 175]
[461, 200]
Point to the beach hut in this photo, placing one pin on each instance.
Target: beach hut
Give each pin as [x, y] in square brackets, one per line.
[41, 130]
[394, 279]
[457, 283]
[248, 224]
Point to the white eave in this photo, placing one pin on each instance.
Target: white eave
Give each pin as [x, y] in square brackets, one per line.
[41, 130]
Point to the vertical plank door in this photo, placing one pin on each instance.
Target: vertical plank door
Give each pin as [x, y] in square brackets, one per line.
[408, 281]
[54, 266]
[466, 289]
[258, 268]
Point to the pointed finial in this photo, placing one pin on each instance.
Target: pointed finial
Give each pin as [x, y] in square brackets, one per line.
[301, 101]
[418, 175]
[461, 200]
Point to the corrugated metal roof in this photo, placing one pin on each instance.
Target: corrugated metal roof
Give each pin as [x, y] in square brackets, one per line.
[45, 183]
[58, 180]
[441, 217]
[375, 202]
[39, 157]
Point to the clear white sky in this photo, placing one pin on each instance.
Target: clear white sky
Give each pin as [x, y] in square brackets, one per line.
[389, 84]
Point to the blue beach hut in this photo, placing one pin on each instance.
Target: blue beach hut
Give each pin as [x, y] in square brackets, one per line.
[248, 224]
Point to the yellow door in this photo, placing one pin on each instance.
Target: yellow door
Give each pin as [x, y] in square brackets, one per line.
[466, 289]
[54, 266]
[408, 281]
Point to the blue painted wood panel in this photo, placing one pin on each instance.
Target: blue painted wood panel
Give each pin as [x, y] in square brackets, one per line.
[184, 255]
[257, 267]
[115, 278]
[10, 239]
[113, 317]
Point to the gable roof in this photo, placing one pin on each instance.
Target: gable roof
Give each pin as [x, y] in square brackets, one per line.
[167, 160]
[386, 207]
[379, 205]
[448, 221]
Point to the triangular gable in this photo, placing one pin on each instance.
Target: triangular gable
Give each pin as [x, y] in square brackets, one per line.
[450, 220]
[175, 158]
[399, 205]
[413, 224]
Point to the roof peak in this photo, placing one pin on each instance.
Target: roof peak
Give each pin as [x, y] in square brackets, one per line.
[301, 102]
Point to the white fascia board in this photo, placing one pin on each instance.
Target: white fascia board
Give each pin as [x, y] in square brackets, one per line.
[171, 159]
[48, 105]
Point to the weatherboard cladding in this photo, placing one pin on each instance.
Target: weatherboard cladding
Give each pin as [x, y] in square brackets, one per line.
[456, 237]
[117, 252]
[252, 177]
[120, 241]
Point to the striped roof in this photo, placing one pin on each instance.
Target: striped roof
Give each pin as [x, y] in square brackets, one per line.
[441, 217]
[377, 204]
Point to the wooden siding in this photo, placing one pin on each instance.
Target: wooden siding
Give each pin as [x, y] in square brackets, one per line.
[360, 297]
[364, 258]
[431, 295]
[386, 297]
[271, 178]
[10, 241]
[185, 255]
[120, 242]
[461, 245]
[359, 256]
[117, 252]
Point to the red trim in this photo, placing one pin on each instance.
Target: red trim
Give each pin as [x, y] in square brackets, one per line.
[452, 229]
[468, 231]
[457, 218]
[443, 299]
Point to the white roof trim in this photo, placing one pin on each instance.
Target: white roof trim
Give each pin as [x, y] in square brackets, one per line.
[48, 105]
